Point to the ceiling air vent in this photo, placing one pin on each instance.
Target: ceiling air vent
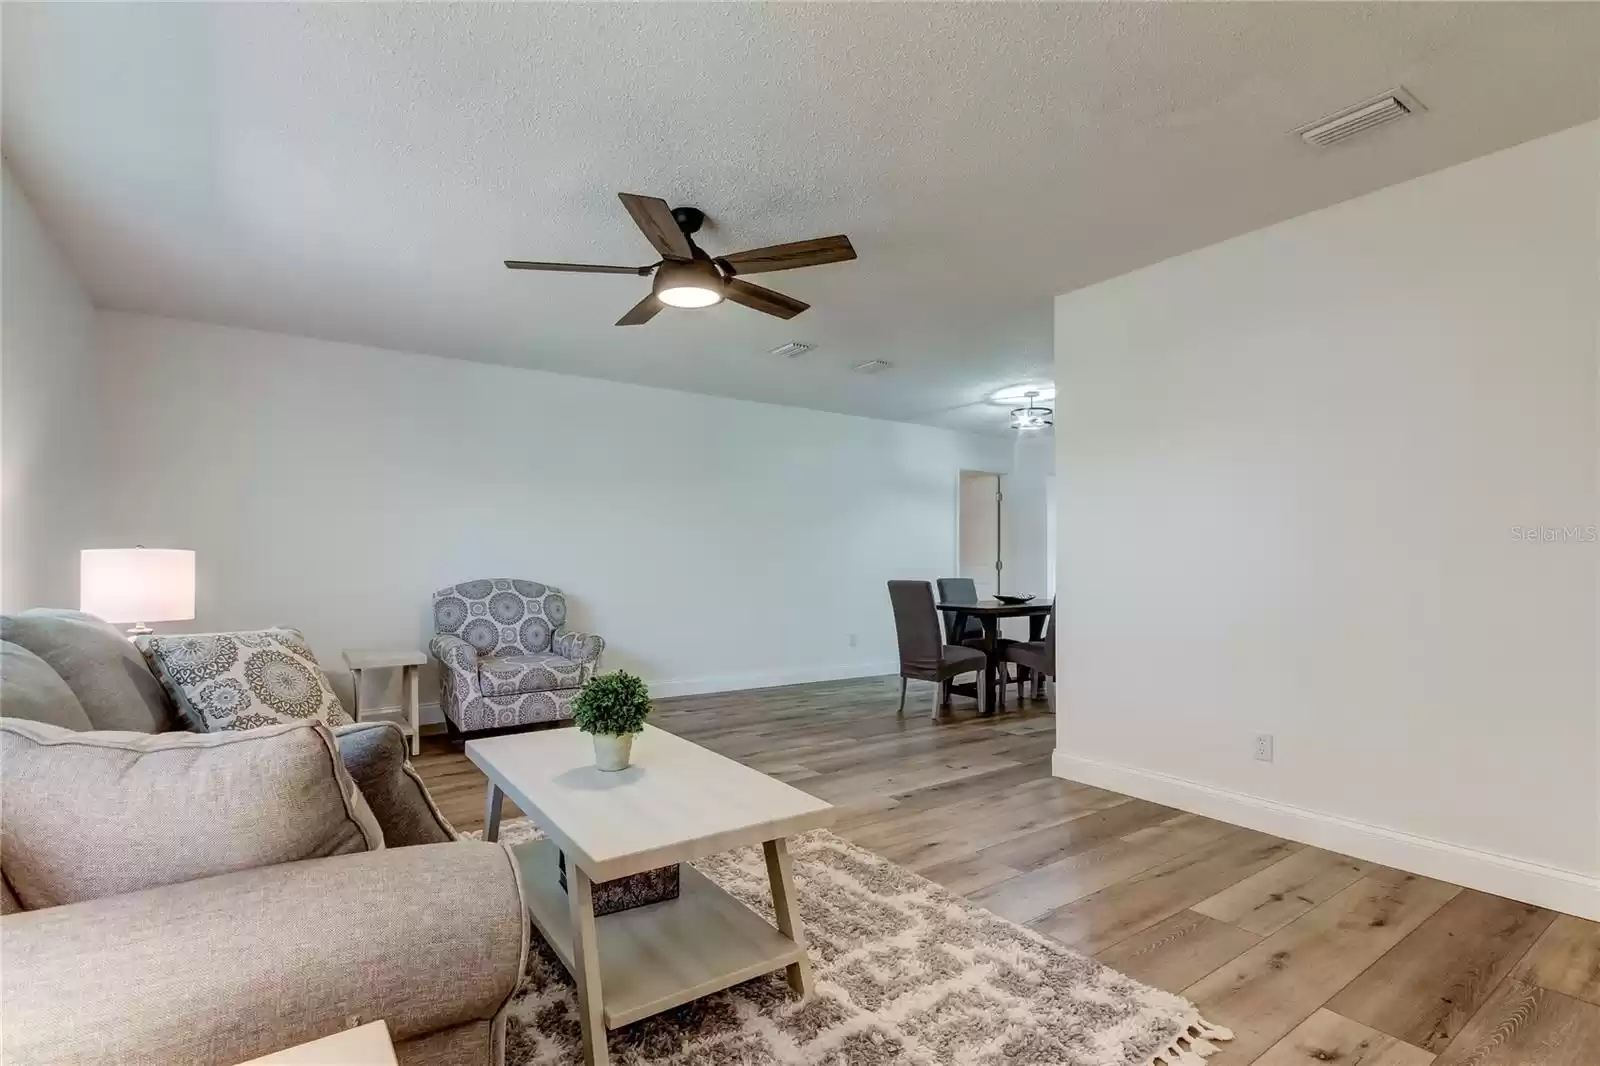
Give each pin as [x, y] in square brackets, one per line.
[1342, 125]
[872, 366]
[792, 349]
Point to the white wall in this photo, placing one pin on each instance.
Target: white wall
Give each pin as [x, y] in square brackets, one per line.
[714, 543]
[1024, 521]
[1022, 538]
[1291, 467]
[1027, 524]
[49, 432]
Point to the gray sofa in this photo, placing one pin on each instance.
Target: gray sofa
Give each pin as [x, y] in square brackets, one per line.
[428, 934]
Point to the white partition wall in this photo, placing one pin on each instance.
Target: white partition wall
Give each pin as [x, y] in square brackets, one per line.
[1335, 481]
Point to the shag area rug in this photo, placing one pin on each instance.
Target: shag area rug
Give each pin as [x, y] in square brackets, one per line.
[906, 973]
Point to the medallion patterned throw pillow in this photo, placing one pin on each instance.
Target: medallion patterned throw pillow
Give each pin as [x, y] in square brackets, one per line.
[243, 680]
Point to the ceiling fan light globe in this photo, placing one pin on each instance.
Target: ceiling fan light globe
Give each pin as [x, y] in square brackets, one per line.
[689, 296]
[694, 283]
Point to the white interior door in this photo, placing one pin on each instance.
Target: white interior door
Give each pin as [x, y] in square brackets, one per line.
[980, 531]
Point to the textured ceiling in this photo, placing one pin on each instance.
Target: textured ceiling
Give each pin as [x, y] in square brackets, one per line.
[358, 171]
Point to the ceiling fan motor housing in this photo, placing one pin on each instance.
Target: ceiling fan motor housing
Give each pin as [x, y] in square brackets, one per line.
[689, 219]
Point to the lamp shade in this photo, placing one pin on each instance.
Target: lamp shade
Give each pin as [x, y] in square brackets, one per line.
[137, 584]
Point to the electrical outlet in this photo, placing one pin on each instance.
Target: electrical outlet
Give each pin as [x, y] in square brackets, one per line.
[1264, 747]
[852, 640]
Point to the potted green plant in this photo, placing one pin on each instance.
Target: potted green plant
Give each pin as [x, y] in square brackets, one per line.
[612, 708]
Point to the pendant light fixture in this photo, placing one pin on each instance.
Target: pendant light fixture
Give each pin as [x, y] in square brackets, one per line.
[1031, 417]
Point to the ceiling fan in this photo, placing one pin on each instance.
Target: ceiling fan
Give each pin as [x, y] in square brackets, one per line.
[687, 277]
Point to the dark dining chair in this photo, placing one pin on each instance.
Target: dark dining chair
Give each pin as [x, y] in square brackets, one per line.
[924, 655]
[1036, 657]
[965, 590]
[960, 590]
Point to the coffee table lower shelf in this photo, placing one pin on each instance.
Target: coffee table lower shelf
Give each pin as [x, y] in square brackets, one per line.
[662, 955]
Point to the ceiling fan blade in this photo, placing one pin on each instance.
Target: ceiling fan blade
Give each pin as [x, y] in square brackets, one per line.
[577, 268]
[641, 312]
[789, 256]
[759, 299]
[652, 215]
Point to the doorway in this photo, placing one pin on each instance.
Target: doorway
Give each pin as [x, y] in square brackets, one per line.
[979, 535]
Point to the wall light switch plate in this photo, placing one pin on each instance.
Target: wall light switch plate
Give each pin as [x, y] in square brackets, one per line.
[852, 640]
[1263, 749]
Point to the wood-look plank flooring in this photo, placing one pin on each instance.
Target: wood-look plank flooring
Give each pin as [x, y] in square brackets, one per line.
[1310, 957]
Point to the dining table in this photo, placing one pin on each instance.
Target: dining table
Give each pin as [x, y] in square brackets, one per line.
[989, 614]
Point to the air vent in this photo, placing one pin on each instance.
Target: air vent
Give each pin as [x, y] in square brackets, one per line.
[792, 349]
[872, 366]
[1396, 103]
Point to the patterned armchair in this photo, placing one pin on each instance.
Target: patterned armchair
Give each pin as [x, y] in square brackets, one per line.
[507, 656]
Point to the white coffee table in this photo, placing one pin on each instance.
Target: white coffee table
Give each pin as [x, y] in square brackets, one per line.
[677, 802]
[366, 1045]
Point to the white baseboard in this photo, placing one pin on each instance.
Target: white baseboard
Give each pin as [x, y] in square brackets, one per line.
[1545, 886]
[427, 713]
[430, 714]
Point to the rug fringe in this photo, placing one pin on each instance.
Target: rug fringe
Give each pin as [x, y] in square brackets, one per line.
[1192, 1046]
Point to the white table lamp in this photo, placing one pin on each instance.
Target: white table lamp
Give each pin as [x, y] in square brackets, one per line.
[137, 585]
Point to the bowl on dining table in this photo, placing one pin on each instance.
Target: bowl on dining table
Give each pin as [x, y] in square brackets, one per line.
[1013, 601]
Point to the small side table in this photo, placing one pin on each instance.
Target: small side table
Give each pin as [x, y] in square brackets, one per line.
[408, 661]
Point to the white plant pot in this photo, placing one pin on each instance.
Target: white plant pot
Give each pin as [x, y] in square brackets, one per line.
[612, 750]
